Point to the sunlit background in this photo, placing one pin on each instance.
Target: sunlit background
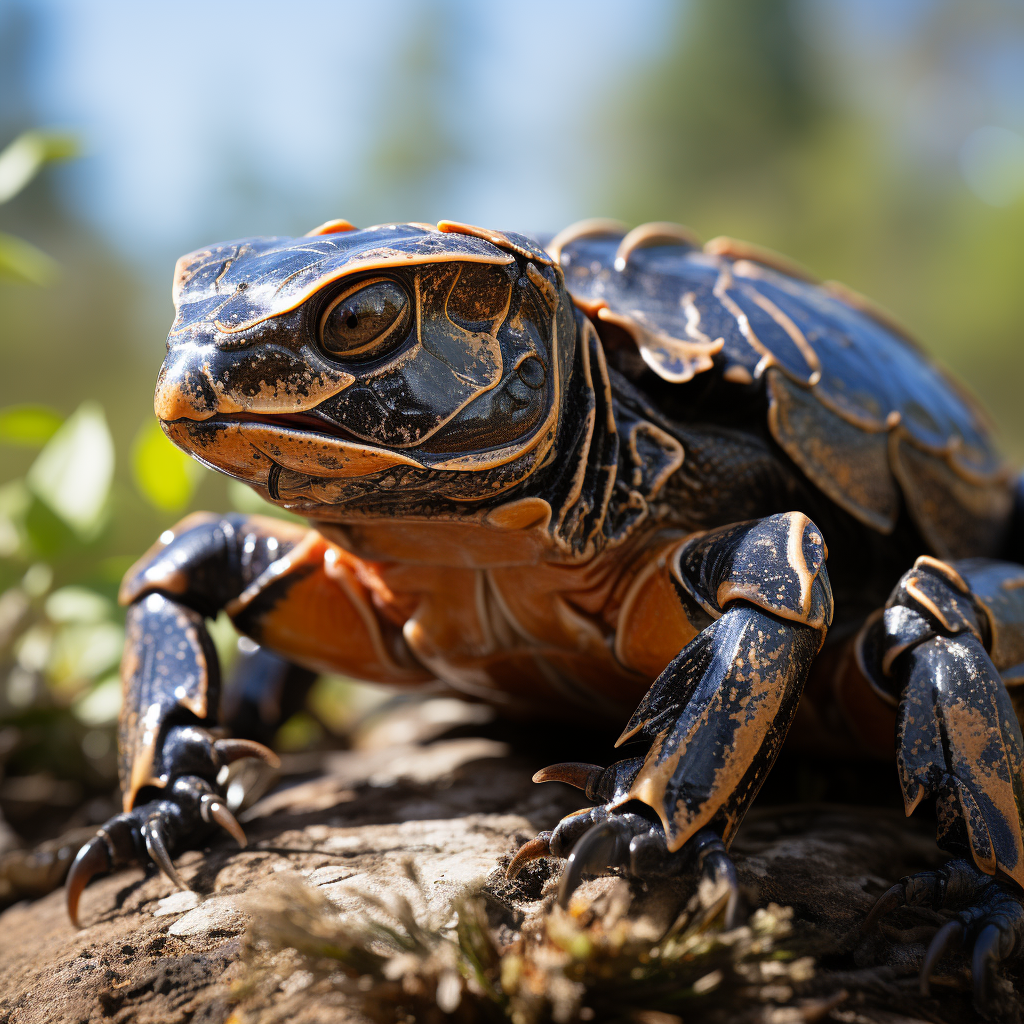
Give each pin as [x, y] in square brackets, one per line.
[878, 142]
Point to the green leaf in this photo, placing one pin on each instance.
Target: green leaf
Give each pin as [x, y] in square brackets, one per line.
[15, 501]
[77, 604]
[21, 161]
[165, 476]
[101, 705]
[24, 262]
[28, 425]
[73, 473]
[82, 652]
[46, 534]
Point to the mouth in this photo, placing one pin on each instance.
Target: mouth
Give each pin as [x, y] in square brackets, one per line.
[246, 445]
[301, 421]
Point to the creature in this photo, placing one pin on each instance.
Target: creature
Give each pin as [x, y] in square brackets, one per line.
[626, 477]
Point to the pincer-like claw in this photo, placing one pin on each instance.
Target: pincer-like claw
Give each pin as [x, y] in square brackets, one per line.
[214, 810]
[93, 859]
[893, 897]
[947, 939]
[232, 749]
[539, 846]
[604, 845]
[717, 867]
[988, 917]
[153, 831]
[573, 773]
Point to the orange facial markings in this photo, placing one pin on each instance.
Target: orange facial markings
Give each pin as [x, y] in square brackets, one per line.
[459, 228]
[497, 238]
[382, 258]
[331, 227]
[320, 455]
[544, 286]
[174, 400]
[296, 392]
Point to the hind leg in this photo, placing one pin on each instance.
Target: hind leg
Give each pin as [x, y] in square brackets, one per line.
[946, 633]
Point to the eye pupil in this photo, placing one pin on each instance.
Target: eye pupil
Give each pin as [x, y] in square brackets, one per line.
[532, 373]
[366, 321]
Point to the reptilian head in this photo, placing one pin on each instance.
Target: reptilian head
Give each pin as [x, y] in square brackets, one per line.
[352, 372]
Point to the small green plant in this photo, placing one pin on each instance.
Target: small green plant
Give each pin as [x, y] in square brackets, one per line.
[592, 963]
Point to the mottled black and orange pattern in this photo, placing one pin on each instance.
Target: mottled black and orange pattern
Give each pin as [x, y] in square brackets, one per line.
[624, 477]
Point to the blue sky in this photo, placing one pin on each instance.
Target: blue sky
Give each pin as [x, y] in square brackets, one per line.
[221, 117]
[188, 109]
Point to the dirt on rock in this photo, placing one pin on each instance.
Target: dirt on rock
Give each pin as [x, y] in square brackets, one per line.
[451, 811]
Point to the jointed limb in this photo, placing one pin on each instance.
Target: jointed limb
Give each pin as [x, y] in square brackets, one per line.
[270, 577]
[947, 632]
[716, 717]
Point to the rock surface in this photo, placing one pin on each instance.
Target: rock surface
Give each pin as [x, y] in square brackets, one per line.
[456, 808]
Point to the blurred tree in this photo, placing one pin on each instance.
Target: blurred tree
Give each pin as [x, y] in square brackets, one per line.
[417, 156]
[754, 124]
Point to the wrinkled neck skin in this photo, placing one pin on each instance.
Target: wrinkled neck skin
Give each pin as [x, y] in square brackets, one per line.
[597, 486]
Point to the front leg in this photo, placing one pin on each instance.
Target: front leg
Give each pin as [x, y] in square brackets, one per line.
[284, 586]
[716, 717]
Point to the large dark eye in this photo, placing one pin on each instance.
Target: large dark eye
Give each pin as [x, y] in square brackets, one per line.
[359, 323]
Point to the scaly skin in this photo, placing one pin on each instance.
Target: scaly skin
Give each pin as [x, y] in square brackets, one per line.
[582, 481]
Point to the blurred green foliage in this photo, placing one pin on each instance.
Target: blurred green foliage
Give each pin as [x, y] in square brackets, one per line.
[20, 162]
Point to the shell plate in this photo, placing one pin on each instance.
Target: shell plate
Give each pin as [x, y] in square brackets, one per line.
[228, 286]
[859, 408]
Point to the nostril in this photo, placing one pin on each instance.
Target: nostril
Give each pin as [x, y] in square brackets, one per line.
[184, 393]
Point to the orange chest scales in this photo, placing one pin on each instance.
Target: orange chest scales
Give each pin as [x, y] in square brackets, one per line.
[484, 612]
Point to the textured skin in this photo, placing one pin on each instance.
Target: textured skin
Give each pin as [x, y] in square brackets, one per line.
[577, 481]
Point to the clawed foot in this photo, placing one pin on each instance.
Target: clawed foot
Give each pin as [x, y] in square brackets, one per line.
[989, 918]
[596, 840]
[184, 814]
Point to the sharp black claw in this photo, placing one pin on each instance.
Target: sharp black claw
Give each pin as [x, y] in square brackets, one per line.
[981, 961]
[887, 903]
[93, 859]
[158, 851]
[538, 847]
[575, 773]
[948, 938]
[229, 750]
[602, 846]
[215, 810]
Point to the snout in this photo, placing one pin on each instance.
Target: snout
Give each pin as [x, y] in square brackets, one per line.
[200, 381]
[186, 391]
